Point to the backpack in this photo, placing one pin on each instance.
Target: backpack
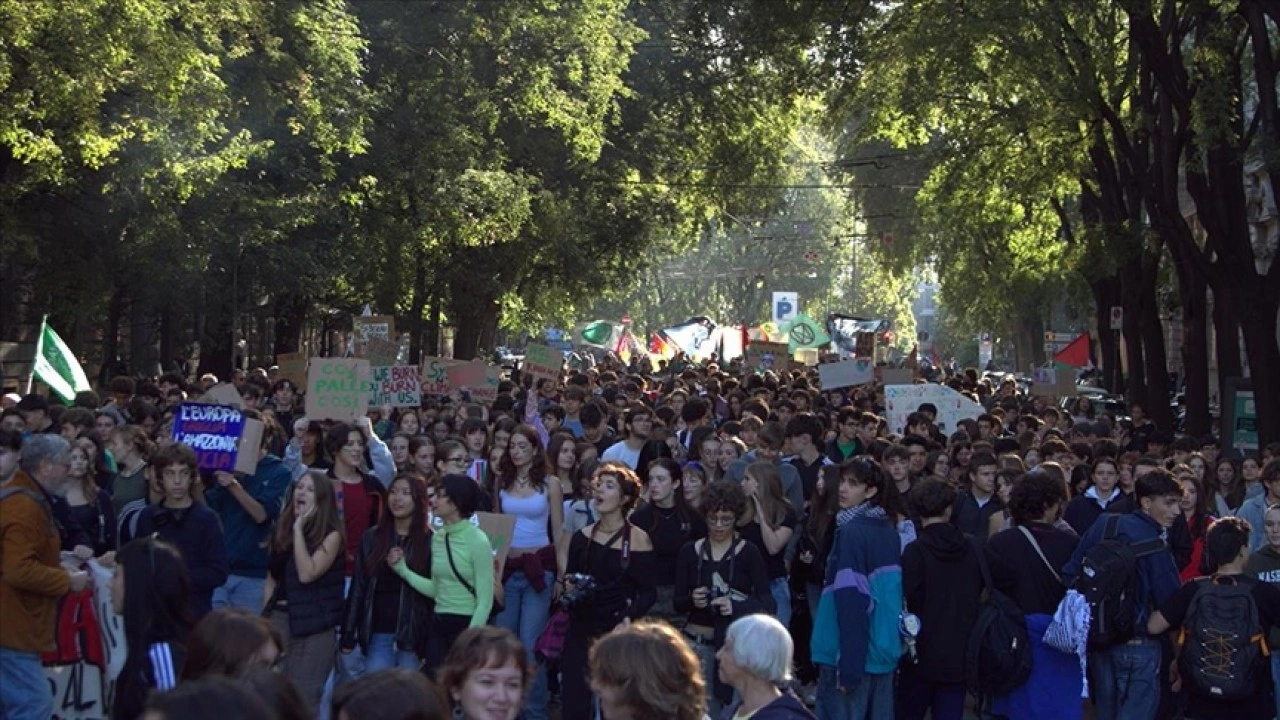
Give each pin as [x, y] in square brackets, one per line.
[1108, 580]
[1222, 639]
[998, 652]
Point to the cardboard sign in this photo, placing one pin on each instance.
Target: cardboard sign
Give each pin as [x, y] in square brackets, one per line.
[213, 431]
[499, 527]
[846, 374]
[435, 375]
[337, 388]
[370, 327]
[480, 380]
[902, 400]
[543, 362]
[397, 386]
[766, 356]
[381, 353]
[89, 651]
[223, 394]
[897, 376]
[292, 367]
[488, 391]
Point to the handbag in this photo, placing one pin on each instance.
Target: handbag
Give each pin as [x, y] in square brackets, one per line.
[1068, 632]
[550, 643]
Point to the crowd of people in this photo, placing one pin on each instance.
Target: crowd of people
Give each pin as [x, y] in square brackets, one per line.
[705, 541]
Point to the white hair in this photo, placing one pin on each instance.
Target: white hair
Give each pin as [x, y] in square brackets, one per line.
[762, 647]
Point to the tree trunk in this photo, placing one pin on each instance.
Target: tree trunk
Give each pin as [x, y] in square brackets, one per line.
[1226, 335]
[291, 319]
[1132, 302]
[433, 324]
[1193, 288]
[1157, 399]
[111, 339]
[1258, 322]
[416, 309]
[1106, 294]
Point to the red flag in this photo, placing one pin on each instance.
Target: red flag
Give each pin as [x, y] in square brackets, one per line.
[1076, 354]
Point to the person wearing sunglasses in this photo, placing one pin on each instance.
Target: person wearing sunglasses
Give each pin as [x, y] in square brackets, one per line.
[718, 580]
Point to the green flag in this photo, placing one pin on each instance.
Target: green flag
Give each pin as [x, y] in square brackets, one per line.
[600, 333]
[804, 332]
[57, 366]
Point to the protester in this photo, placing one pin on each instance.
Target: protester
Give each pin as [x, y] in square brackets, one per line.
[485, 674]
[303, 591]
[187, 524]
[31, 578]
[384, 617]
[646, 670]
[90, 506]
[210, 698]
[769, 523]
[151, 590]
[229, 642]
[1265, 566]
[1254, 508]
[462, 577]
[670, 524]
[389, 694]
[609, 578]
[756, 662]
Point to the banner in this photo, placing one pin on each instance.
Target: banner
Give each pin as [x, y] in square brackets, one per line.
[337, 389]
[897, 376]
[480, 380]
[854, 334]
[435, 375]
[543, 362]
[89, 651]
[805, 332]
[766, 356]
[395, 385]
[213, 431]
[846, 374]
[693, 337]
[902, 400]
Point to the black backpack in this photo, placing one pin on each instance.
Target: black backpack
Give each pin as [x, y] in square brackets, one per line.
[1108, 580]
[1222, 639]
[998, 653]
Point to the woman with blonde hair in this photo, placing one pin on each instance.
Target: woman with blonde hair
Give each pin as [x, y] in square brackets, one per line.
[647, 670]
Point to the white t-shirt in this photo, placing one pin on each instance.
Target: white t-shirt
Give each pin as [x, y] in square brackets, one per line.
[620, 452]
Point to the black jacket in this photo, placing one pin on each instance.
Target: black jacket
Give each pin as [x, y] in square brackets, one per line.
[941, 582]
[973, 519]
[415, 608]
[786, 707]
[1018, 571]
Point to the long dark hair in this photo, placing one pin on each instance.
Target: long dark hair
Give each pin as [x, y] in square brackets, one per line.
[677, 479]
[157, 598]
[537, 468]
[824, 507]
[385, 531]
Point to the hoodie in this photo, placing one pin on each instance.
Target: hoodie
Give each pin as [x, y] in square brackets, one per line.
[786, 707]
[941, 581]
[1265, 565]
[246, 538]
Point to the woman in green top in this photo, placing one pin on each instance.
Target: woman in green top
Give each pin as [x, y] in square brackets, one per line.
[461, 568]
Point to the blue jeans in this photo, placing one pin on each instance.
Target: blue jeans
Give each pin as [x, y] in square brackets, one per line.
[383, 655]
[780, 588]
[24, 689]
[240, 591]
[525, 612]
[870, 699]
[1125, 681]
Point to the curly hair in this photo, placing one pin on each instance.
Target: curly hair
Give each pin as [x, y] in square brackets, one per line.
[722, 496]
[658, 674]
[1033, 494]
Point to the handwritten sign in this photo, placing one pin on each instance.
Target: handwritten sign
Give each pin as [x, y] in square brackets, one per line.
[902, 400]
[846, 374]
[766, 356]
[499, 527]
[397, 386]
[213, 431]
[435, 375]
[373, 327]
[488, 392]
[478, 379]
[89, 651]
[337, 388]
[292, 367]
[380, 352]
[543, 362]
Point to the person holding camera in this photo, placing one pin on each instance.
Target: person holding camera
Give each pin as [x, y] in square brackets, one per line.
[609, 580]
[718, 580]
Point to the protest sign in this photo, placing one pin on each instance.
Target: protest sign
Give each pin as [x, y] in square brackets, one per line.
[223, 394]
[89, 651]
[902, 400]
[480, 380]
[499, 528]
[373, 327]
[766, 356]
[487, 392]
[396, 385]
[846, 374]
[381, 353]
[897, 376]
[543, 362]
[435, 375]
[213, 431]
[337, 388]
[292, 367]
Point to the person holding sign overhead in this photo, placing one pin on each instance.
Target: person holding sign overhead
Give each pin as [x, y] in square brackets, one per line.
[461, 578]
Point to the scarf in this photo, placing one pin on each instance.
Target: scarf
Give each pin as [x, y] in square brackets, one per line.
[866, 509]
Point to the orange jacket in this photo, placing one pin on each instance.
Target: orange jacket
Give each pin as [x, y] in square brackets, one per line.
[31, 579]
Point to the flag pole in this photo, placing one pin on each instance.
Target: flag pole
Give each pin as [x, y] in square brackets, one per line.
[31, 376]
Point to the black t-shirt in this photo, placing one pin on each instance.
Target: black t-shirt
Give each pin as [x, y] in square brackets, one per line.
[775, 564]
[669, 530]
[809, 473]
[1202, 706]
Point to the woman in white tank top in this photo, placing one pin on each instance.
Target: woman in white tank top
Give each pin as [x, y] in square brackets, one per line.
[531, 577]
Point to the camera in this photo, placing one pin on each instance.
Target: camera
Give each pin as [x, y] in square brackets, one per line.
[584, 588]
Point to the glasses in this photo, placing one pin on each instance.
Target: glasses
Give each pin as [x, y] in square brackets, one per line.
[721, 521]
